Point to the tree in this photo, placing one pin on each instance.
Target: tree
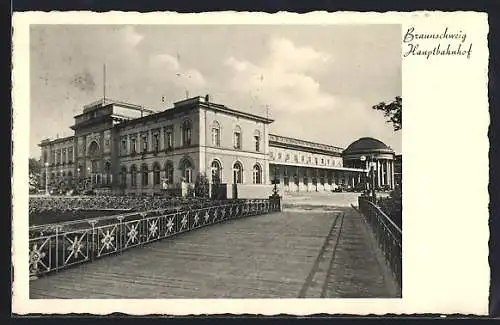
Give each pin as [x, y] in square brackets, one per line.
[201, 186]
[392, 111]
[35, 169]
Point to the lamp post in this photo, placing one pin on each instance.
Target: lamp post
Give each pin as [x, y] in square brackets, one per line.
[78, 178]
[46, 178]
[90, 176]
[372, 175]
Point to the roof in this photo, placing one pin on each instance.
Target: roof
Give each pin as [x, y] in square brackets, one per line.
[47, 142]
[367, 144]
[107, 101]
[275, 139]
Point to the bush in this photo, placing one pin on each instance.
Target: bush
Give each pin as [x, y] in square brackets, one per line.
[393, 206]
[201, 187]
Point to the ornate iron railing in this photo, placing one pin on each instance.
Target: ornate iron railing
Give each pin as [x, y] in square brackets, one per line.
[53, 247]
[387, 233]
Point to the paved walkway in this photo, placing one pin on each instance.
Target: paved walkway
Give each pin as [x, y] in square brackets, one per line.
[311, 254]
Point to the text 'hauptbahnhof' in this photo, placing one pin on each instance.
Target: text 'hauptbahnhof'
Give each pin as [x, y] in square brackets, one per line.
[119, 147]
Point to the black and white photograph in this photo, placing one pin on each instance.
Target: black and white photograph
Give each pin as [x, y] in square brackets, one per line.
[215, 164]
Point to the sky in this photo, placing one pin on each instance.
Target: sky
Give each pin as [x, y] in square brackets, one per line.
[319, 82]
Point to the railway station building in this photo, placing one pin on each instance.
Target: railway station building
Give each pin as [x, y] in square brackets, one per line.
[124, 148]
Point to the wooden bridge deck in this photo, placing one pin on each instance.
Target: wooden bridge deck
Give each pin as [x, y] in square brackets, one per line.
[281, 255]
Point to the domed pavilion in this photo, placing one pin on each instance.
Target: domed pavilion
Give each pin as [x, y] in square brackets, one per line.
[366, 152]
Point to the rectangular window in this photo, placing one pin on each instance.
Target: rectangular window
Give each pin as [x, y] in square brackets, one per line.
[144, 143]
[70, 155]
[169, 140]
[133, 145]
[124, 147]
[156, 142]
[237, 140]
[316, 161]
[257, 143]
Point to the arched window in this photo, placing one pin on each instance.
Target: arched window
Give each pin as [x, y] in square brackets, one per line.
[133, 175]
[216, 134]
[107, 172]
[256, 138]
[169, 172]
[257, 174]
[216, 171]
[156, 174]
[186, 133]
[70, 177]
[187, 170]
[237, 138]
[123, 176]
[93, 149]
[237, 173]
[145, 174]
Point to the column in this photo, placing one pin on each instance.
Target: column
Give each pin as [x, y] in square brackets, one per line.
[378, 173]
[387, 179]
[150, 140]
[392, 174]
[382, 172]
[161, 139]
[298, 179]
[282, 178]
[316, 175]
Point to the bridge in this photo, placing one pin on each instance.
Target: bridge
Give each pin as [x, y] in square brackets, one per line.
[317, 246]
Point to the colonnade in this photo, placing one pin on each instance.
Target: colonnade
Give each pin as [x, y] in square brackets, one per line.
[310, 179]
[384, 172]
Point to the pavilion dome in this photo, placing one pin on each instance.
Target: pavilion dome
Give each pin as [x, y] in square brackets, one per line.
[367, 144]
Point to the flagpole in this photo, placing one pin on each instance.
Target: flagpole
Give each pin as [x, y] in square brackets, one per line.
[104, 82]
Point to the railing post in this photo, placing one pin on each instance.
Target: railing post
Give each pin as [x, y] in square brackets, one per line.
[120, 232]
[57, 248]
[95, 248]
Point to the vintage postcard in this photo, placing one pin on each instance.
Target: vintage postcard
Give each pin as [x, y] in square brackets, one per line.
[250, 163]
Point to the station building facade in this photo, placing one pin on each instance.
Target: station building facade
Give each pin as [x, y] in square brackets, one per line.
[125, 148]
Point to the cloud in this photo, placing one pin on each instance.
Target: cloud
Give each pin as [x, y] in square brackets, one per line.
[283, 79]
[131, 36]
[166, 63]
[286, 56]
